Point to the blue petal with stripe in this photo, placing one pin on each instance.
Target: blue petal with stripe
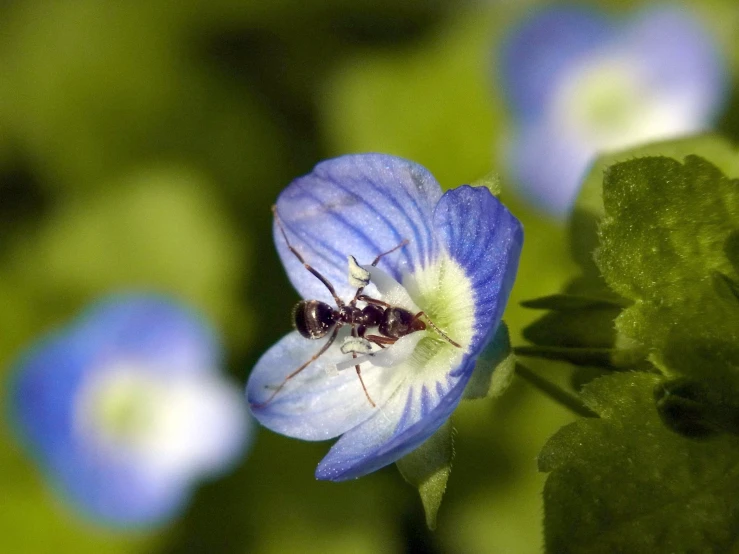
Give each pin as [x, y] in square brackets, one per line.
[484, 239]
[360, 205]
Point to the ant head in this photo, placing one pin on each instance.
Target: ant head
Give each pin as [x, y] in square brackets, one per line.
[313, 319]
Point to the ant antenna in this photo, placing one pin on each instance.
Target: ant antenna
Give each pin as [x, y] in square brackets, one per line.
[419, 315]
[439, 331]
[328, 285]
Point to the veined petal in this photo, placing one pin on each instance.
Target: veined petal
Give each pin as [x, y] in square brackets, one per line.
[418, 408]
[465, 296]
[319, 403]
[360, 205]
[538, 52]
[485, 240]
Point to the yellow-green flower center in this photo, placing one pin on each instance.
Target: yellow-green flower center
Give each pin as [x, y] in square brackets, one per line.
[444, 293]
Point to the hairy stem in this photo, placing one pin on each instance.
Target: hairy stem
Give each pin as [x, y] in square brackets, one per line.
[566, 399]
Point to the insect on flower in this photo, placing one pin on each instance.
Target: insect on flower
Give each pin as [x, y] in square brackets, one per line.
[411, 324]
[315, 319]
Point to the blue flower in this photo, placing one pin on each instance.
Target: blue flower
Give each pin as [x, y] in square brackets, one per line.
[456, 260]
[579, 83]
[125, 409]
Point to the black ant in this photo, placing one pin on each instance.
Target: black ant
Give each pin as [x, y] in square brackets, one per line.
[314, 319]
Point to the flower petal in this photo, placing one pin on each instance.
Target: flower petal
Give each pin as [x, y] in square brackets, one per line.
[49, 387]
[318, 403]
[485, 239]
[41, 392]
[682, 62]
[549, 163]
[153, 328]
[42, 400]
[482, 237]
[537, 53]
[120, 494]
[411, 416]
[360, 205]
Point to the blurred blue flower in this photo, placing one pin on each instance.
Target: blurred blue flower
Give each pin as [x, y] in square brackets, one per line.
[579, 83]
[458, 266]
[126, 408]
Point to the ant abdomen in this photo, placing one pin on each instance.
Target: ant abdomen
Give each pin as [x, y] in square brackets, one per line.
[313, 319]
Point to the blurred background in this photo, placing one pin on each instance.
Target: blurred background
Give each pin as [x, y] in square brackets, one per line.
[141, 147]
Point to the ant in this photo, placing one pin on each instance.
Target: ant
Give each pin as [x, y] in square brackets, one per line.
[314, 319]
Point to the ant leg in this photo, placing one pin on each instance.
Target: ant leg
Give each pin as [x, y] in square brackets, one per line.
[374, 264]
[329, 286]
[370, 300]
[359, 373]
[380, 341]
[443, 335]
[317, 355]
[398, 247]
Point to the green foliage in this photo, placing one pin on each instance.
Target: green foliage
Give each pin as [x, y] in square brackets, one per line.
[156, 230]
[626, 483]
[428, 467]
[578, 328]
[664, 240]
[494, 368]
[407, 104]
[657, 472]
[589, 208]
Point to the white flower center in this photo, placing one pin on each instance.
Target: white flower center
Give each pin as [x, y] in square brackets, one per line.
[443, 292]
[173, 425]
[608, 103]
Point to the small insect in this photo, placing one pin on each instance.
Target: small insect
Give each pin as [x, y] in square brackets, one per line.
[315, 319]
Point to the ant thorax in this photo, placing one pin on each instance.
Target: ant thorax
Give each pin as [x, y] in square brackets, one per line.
[398, 305]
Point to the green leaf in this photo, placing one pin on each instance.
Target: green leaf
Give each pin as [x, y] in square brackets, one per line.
[579, 329]
[694, 409]
[491, 181]
[731, 249]
[589, 208]
[591, 327]
[494, 368]
[664, 236]
[428, 467]
[626, 483]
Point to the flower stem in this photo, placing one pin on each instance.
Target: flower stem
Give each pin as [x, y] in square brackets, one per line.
[569, 401]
